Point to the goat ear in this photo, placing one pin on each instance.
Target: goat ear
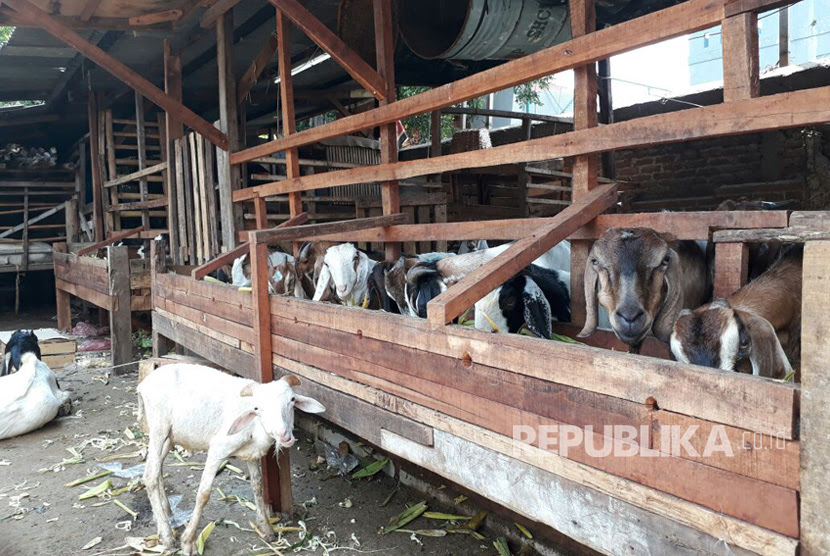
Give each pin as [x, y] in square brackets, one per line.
[291, 380]
[309, 405]
[241, 422]
[322, 283]
[673, 302]
[591, 285]
[247, 390]
[537, 314]
[766, 353]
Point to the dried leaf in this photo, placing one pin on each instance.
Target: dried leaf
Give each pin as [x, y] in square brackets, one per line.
[409, 514]
[203, 536]
[424, 532]
[445, 517]
[501, 546]
[372, 469]
[125, 508]
[96, 490]
[523, 529]
[460, 499]
[93, 542]
[88, 479]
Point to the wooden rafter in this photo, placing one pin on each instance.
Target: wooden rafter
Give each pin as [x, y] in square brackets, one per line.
[289, 121]
[348, 59]
[40, 18]
[216, 11]
[90, 8]
[251, 75]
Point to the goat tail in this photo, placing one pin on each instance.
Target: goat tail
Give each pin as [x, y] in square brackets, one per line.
[142, 415]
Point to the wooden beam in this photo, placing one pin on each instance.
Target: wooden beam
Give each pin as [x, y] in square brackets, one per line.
[201, 271]
[141, 205]
[251, 75]
[117, 69]
[731, 268]
[160, 167]
[794, 235]
[96, 166]
[299, 232]
[90, 8]
[229, 176]
[155, 18]
[141, 153]
[450, 304]
[173, 130]
[112, 239]
[815, 401]
[784, 37]
[784, 110]
[385, 54]
[340, 52]
[216, 11]
[687, 17]
[741, 78]
[289, 120]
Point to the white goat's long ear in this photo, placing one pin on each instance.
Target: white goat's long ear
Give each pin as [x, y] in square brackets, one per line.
[673, 303]
[322, 283]
[309, 405]
[766, 353]
[591, 286]
[241, 422]
[247, 390]
[291, 380]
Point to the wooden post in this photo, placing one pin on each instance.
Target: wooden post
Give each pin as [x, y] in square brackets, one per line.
[277, 476]
[815, 401]
[62, 298]
[97, 173]
[158, 265]
[173, 130]
[731, 267]
[25, 230]
[740, 57]
[784, 37]
[522, 177]
[228, 123]
[385, 51]
[71, 215]
[289, 122]
[606, 111]
[585, 167]
[120, 315]
[113, 220]
[141, 148]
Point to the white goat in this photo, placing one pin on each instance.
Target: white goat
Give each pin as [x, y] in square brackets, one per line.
[240, 280]
[349, 269]
[29, 398]
[201, 408]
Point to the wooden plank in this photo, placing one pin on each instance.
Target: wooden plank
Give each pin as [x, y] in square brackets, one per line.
[216, 305]
[120, 318]
[795, 235]
[289, 120]
[160, 308]
[196, 177]
[112, 239]
[155, 169]
[90, 6]
[731, 268]
[360, 358]
[784, 110]
[173, 131]
[229, 175]
[688, 17]
[210, 322]
[62, 300]
[204, 193]
[29, 221]
[155, 18]
[722, 397]
[720, 526]
[735, 7]
[240, 362]
[95, 166]
[310, 230]
[251, 75]
[117, 69]
[477, 284]
[815, 401]
[141, 205]
[78, 274]
[741, 79]
[340, 52]
[216, 11]
[96, 298]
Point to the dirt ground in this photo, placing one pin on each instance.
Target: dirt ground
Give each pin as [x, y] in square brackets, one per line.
[39, 515]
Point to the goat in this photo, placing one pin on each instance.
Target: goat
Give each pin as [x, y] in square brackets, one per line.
[757, 328]
[643, 279]
[201, 408]
[21, 342]
[348, 269]
[532, 298]
[241, 272]
[309, 264]
[30, 398]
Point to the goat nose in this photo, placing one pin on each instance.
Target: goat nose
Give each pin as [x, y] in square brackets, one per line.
[630, 315]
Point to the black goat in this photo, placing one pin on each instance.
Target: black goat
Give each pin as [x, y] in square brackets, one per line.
[22, 341]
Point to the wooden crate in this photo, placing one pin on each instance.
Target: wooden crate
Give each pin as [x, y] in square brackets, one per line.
[56, 350]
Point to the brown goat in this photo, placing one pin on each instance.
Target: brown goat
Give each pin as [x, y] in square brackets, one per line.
[643, 279]
[757, 329]
[308, 265]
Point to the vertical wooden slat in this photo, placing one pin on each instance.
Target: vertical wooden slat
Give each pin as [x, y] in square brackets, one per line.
[731, 267]
[586, 167]
[174, 130]
[158, 265]
[289, 122]
[62, 298]
[423, 218]
[120, 316]
[740, 57]
[141, 154]
[189, 201]
[815, 401]
[441, 217]
[181, 203]
[113, 220]
[97, 174]
[203, 195]
[228, 118]
[385, 53]
[784, 37]
[25, 232]
[210, 188]
[195, 179]
[71, 214]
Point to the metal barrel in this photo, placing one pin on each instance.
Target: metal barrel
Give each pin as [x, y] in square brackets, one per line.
[482, 29]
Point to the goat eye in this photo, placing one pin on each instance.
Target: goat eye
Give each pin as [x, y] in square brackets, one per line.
[293, 399]
[594, 262]
[666, 259]
[256, 409]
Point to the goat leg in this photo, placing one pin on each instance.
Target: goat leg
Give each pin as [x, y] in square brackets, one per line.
[202, 496]
[262, 510]
[155, 489]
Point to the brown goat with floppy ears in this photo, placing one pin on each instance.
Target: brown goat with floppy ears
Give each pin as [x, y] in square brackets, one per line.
[643, 279]
[757, 329]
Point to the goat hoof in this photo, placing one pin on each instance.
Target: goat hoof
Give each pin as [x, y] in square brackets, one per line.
[188, 548]
[65, 409]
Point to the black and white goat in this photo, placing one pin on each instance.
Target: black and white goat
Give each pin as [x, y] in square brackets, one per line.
[532, 298]
[21, 342]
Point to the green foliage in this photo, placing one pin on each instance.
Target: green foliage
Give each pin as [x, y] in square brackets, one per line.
[5, 35]
[326, 117]
[528, 93]
[418, 128]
